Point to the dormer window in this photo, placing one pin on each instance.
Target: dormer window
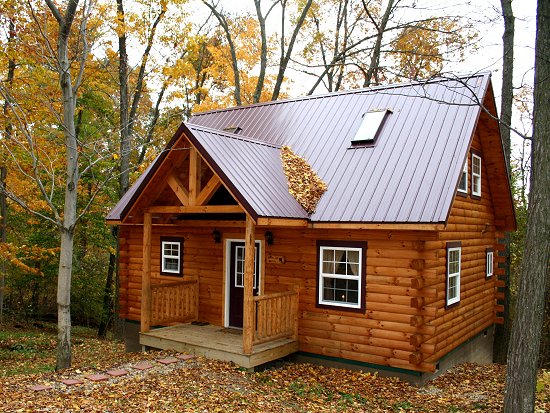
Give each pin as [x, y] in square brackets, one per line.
[370, 127]
[232, 129]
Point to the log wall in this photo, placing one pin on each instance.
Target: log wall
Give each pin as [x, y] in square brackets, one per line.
[472, 222]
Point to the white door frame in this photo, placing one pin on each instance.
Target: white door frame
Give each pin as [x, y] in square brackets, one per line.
[227, 252]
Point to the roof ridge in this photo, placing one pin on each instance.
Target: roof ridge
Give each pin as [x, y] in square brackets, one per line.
[347, 92]
[232, 135]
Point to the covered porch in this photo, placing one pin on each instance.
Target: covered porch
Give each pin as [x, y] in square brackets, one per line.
[170, 313]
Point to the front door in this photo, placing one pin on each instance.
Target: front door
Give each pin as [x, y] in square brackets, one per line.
[236, 280]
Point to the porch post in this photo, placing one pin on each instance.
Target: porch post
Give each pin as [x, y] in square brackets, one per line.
[248, 307]
[146, 273]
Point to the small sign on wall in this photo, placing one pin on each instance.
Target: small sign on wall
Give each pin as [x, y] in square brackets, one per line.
[275, 259]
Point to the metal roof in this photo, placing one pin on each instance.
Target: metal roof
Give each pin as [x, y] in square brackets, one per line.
[409, 175]
[251, 168]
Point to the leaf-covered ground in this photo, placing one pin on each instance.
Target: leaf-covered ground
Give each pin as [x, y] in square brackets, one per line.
[202, 385]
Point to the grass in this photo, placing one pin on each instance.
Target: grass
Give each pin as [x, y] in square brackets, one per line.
[30, 348]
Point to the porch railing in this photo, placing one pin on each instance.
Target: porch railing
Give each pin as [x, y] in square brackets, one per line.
[276, 316]
[175, 302]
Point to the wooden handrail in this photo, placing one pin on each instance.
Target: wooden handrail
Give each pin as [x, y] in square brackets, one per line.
[175, 302]
[275, 316]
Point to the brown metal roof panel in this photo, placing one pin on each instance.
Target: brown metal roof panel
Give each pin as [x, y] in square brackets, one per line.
[254, 169]
[418, 156]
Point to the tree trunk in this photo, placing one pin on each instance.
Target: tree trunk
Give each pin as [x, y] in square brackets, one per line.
[107, 298]
[502, 332]
[124, 179]
[285, 57]
[374, 65]
[521, 371]
[64, 300]
[67, 226]
[8, 133]
[263, 53]
[3, 213]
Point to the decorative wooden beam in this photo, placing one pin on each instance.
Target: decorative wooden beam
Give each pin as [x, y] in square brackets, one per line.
[195, 209]
[146, 274]
[248, 307]
[194, 176]
[178, 188]
[282, 222]
[212, 186]
[393, 227]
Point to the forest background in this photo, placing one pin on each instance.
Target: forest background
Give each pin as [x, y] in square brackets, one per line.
[138, 68]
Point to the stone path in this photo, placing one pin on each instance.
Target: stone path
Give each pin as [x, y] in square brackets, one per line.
[132, 369]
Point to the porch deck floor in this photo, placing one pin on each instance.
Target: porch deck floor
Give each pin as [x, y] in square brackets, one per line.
[216, 342]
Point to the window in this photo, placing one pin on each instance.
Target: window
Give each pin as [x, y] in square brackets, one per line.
[370, 126]
[476, 175]
[341, 281]
[454, 251]
[239, 265]
[489, 263]
[463, 184]
[171, 256]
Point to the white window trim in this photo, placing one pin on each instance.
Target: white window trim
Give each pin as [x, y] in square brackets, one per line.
[178, 257]
[322, 275]
[453, 300]
[489, 265]
[476, 175]
[464, 172]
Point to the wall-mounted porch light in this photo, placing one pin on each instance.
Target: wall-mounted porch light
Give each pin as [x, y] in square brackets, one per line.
[268, 237]
[217, 236]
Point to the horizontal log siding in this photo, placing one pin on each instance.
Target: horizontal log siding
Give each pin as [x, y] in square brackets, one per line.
[391, 332]
[202, 259]
[384, 334]
[472, 222]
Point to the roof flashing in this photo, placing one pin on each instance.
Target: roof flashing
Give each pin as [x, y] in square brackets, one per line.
[370, 127]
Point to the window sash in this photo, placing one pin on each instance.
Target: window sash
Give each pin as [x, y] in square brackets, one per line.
[453, 275]
[476, 175]
[348, 284]
[239, 267]
[171, 253]
[463, 184]
[489, 264]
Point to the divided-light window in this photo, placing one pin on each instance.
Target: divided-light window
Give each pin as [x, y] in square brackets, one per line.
[171, 256]
[476, 175]
[454, 252]
[341, 276]
[463, 184]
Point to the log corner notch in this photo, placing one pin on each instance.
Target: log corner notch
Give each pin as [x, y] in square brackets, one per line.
[248, 311]
[146, 292]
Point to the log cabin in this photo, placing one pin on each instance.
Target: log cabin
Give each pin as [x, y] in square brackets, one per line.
[396, 267]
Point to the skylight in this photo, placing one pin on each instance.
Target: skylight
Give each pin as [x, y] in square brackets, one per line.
[371, 126]
[232, 129]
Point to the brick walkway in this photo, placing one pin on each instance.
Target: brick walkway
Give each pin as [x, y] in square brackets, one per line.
[113, 374]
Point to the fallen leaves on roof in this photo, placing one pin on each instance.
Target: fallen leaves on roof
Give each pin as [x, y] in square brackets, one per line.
[303, 183]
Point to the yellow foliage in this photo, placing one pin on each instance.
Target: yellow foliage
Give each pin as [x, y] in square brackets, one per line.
[303, 183]
[16, 255]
